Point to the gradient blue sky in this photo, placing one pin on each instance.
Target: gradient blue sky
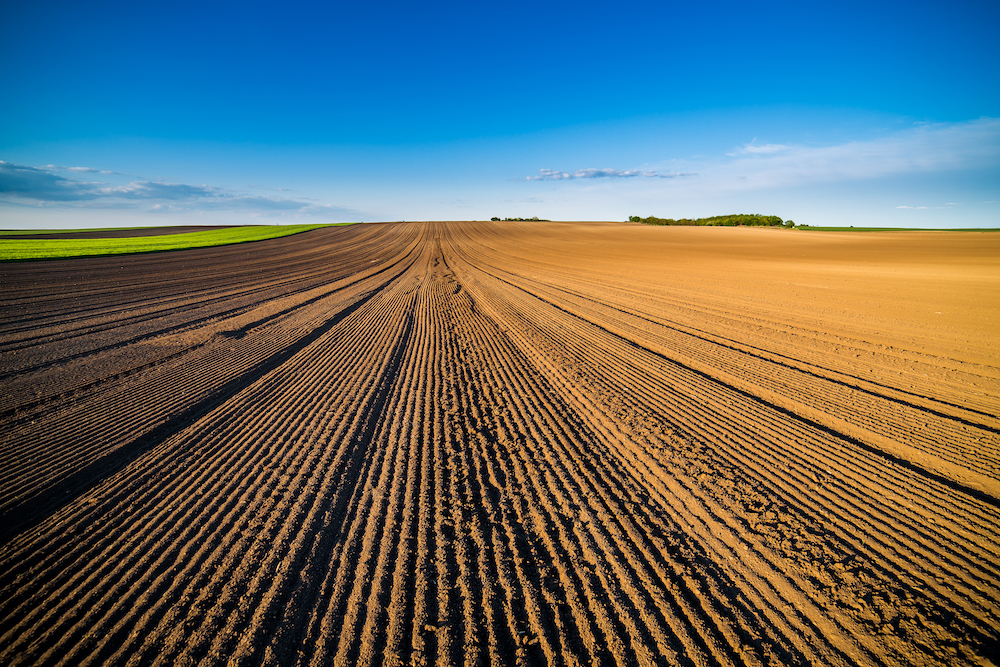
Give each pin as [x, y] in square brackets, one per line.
[185, 113]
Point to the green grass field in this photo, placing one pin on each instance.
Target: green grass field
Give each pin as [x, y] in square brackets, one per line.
[13, 250]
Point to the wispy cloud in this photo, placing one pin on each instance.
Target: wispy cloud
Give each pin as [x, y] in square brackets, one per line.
[925, 208]
[80, 170]
[42, 186]
[753, 148]
[554, 175]
[925, 148]
[158, 190]
[928, 148]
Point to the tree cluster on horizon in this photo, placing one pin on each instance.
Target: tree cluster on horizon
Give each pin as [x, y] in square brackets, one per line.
[735, 220]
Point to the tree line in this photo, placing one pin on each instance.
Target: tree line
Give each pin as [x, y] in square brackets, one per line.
[736, 220]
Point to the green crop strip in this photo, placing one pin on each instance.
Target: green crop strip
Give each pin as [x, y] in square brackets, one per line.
[31, 249]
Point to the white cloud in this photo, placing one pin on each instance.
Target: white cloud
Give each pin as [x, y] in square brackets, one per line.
[679, 174]
[764, 149]
[946, 206]
[554, 175]
[79, 170]
[753, 148]
[606, 173]
[40, 184]
[34, 186]
[548, 175]
[925, 148]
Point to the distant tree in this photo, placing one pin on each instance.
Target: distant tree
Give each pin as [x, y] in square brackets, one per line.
[736, 220]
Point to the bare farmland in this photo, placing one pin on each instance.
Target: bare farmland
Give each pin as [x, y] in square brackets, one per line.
[490, 443]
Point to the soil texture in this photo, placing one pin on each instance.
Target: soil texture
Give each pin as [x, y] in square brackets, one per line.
[505, 443]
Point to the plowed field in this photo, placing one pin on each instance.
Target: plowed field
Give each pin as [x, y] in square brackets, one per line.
[500, 443]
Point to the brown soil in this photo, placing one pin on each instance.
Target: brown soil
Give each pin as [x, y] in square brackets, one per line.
[116, 233]
[482, 443]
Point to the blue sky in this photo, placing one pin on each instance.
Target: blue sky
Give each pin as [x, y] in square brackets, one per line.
[840, 113]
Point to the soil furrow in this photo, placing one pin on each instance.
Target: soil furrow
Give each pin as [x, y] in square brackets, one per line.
[504, 443]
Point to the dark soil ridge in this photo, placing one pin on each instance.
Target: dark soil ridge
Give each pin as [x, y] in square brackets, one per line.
[116, 233]
[470, 443]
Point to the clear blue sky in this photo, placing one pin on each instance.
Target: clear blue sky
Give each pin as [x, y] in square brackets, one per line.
[836, 113]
